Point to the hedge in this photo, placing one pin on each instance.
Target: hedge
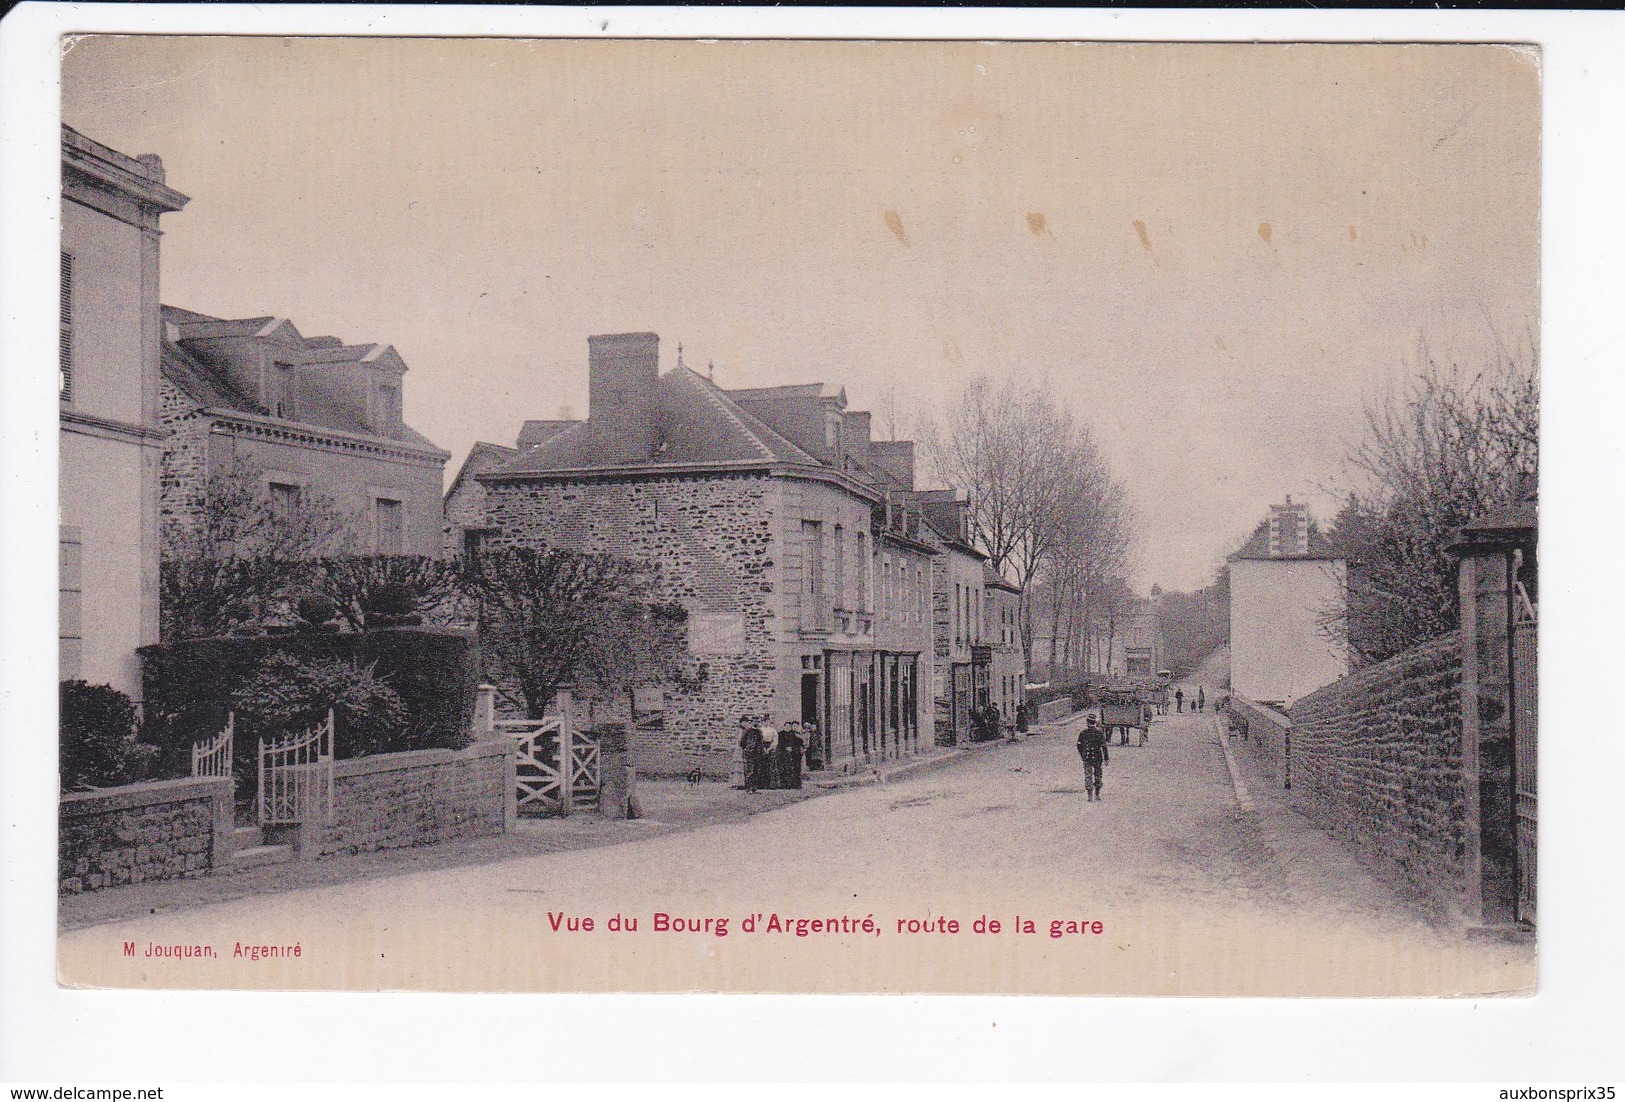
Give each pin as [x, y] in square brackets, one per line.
[188, 683]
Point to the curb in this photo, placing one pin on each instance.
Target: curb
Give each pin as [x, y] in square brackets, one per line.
[908, 769]
[1244, 798]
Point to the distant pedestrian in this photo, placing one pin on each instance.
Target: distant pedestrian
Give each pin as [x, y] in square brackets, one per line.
[1092, 749]
[790, 747]
[1179, 700]
[815, 744]
[750, 743]
[1201, 699]
[1021, 718]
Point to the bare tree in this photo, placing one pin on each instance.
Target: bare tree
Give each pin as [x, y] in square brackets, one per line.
[239, 552]
[555, 617]
[1447, 446]
[1044, 505]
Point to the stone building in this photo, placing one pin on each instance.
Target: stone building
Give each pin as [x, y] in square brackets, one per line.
[964, 662]
[465, 500]
[1001, 634]
[307, 415]
[793, 540]
[111, 437]
[1282, 580]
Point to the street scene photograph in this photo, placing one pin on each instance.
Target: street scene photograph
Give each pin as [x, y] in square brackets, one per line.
[550, 515]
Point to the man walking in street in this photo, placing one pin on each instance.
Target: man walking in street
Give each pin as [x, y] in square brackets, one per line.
[1179, 700]
[1201, 699]
[1092, 749]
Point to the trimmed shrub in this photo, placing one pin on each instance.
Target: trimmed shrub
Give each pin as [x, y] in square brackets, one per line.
[189, 685]
[98, 746]
[316, 610]
[286, 696]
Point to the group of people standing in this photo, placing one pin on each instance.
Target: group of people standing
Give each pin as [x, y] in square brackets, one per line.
[1198, 702]
[771, 757]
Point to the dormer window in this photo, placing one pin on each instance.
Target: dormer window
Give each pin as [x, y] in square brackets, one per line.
[389, 406]
[283, 395]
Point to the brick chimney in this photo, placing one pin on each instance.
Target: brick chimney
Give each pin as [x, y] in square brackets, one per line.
[896, 458]
[855, 436]
[621, 372]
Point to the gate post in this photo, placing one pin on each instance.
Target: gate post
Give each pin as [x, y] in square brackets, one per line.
[1490, 550]
[567, 752]
[485, 712]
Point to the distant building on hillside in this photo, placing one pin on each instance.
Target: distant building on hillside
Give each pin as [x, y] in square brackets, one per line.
[1282, 580]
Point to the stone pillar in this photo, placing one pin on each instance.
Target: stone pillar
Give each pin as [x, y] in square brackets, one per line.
[1490, 888]
[617, 782]
[485, 712]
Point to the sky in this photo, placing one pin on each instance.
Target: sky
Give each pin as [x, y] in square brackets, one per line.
[1213, 254]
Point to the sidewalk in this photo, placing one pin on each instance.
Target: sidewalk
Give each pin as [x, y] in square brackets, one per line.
[938, 758]
[669, 807]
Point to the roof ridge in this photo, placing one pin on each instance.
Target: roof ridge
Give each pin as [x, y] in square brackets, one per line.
[720, 400]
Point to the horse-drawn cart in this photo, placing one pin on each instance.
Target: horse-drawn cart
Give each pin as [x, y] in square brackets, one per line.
[1122, 710]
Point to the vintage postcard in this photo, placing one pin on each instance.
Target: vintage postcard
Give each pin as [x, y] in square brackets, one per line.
[554, 515]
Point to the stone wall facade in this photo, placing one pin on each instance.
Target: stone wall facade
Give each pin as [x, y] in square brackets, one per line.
[353, 472]
[184, 472]
[713, 538]
[417, 798]
[1376, 758]
[796, 610]
[163, 830]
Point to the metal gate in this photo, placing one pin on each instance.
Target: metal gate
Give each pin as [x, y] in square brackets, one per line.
[1525, 714]
[296, 776]
[212, 757]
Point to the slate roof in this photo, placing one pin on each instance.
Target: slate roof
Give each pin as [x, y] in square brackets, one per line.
[991, 577]
[483, 456]
[203, 385]
[696, 422]
[320, 407]
[1258, 547]
[536, 432]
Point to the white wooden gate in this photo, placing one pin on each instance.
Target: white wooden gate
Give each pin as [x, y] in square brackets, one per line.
[212, 757]
[296, 776]
[556, 766]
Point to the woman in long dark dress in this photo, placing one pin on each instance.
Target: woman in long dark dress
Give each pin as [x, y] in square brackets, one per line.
[790, 747]
[750, 741]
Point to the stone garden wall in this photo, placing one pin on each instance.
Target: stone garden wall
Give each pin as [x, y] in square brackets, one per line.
[161, 830]
[418, 798]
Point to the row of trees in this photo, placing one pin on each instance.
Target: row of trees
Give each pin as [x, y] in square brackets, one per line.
[546, 617]
[1195, 624]
[1448, 445]
[1045, 508]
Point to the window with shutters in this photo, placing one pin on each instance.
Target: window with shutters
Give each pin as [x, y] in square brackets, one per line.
[815, 606]
[284, 399]
[70, 632]
[389, 527]
[284, 501]
[65, 370]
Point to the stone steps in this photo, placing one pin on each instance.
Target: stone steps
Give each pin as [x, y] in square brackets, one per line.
[249, 851]
[255, 856]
